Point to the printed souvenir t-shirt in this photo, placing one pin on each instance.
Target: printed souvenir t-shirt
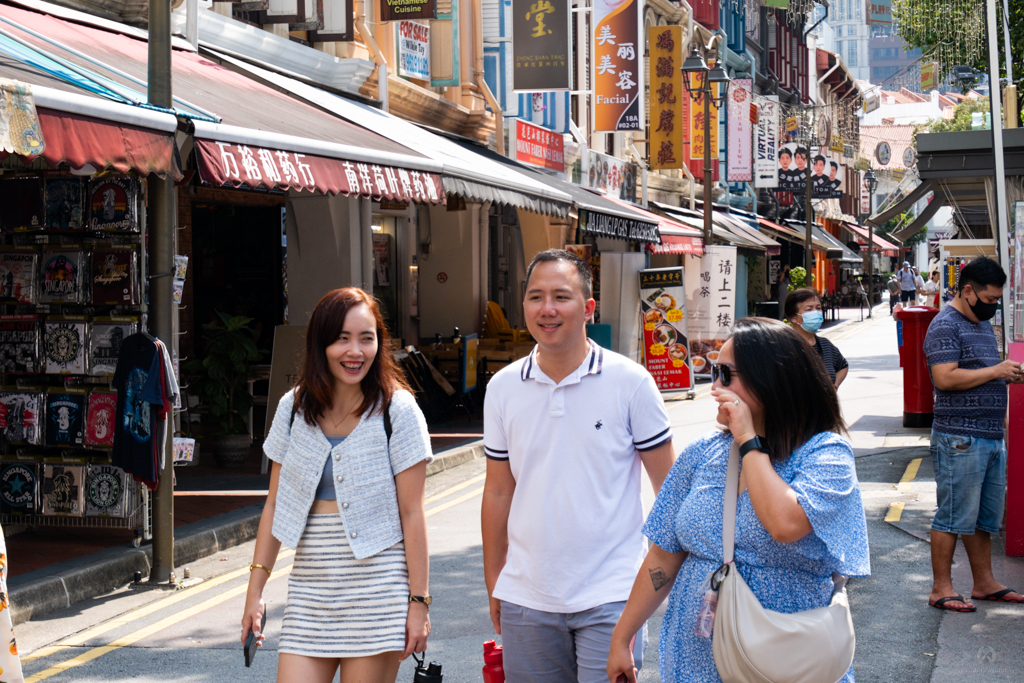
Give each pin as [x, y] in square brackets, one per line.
[976, 412]
[138, 400]
[574, 524]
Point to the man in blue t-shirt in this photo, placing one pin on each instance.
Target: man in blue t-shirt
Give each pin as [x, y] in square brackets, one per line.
[968, 451]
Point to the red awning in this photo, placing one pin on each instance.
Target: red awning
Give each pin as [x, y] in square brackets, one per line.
[677, 244]
[79, 141]
[887, 247]
[239, 165]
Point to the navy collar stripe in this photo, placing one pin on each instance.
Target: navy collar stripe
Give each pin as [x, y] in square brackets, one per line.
[594, 368]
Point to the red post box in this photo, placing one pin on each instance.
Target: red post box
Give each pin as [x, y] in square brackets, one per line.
[918, 392]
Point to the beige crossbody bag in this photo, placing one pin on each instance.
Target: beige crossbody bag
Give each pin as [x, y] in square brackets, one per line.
[754, 645]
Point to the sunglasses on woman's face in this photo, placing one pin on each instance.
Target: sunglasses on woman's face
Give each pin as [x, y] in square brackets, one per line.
[723, 374]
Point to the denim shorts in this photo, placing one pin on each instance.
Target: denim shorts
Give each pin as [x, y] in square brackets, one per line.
[970, 478]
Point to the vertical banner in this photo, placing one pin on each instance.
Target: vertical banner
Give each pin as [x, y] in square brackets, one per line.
[711, 304]
[865, 197]
[741, 134]
[665, 328]
[929, 76]
[665, 44]
[697, 133]
[540, 45]
[766, 168]
[618, 66]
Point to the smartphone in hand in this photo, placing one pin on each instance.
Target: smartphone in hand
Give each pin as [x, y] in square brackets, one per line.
[252, 643]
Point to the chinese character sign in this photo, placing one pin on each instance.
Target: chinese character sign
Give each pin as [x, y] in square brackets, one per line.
[666, 351]
[617, 63]
[711, 303]
[766, 148]
[414, 50]
[697, 132]
[668, 97]
[740, 140]
[539, 146]
[880, 12]
[540, 45]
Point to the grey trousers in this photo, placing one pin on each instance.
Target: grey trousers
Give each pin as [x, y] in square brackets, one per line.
[550, 647]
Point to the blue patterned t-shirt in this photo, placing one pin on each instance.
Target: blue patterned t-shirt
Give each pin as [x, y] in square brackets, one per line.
[976, 412]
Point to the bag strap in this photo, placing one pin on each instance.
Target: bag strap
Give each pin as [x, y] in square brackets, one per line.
[732, 485]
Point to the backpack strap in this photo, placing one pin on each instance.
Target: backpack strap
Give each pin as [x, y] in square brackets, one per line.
[387, 420]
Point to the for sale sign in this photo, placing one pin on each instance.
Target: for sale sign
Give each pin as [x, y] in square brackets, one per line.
[414, 50]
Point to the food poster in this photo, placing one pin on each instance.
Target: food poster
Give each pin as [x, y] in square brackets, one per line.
[711, 284]
[19, 344]
[665, 328]
[63, 490]
[113, 204]
[62, 277]
[19, 416]
[64, 346]
[18, 276]
[106, 491]
[99, 419]
[618, 65]
[62, 203]
[65, 418]
[19, 488]
[115, 276]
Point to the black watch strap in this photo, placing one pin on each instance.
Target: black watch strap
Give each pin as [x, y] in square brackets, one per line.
[755, 444]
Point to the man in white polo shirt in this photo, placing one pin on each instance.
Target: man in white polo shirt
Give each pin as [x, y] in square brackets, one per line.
[565, 432]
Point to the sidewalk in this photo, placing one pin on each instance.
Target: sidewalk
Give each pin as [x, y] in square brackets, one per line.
[214, 509]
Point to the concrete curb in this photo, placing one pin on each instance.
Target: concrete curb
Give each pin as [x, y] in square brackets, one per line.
[40, 592]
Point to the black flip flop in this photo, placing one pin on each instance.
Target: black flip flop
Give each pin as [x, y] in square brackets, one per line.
[941, 604]
[1000, 596]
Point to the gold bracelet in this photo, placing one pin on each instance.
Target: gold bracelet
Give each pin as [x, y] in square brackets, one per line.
[259, 566]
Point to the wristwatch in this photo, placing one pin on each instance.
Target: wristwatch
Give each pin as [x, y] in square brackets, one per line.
[755, 444]
[425, 599]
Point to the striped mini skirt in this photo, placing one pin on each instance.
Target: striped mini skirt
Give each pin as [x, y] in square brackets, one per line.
[339, 606]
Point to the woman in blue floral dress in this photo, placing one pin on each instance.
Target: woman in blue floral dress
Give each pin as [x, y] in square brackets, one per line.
[800, 516]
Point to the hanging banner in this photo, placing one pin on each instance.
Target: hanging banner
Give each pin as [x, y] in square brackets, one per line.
[697, 134]
[539, 146]
[826, 173]
[414, 50]
[668, 96]
[865, 198]
[613, 177]
[766, 165]
[711, 304]
[929, 76]
[393, 10]
[666, 337]
[880, 12]
[741, 131]
[617, 55]
[540, 45]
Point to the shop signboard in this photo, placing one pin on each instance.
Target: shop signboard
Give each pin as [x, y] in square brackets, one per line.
[929, 76]
[697, 133]
[666, 351]
[607, 225]
[540, 45]
[669, 101]
[766, 152]
[711, 304]
[826, 173]
[414, 50]
[740, 139]
[395, 10]
[611, 176]
[539, 146]
[618, 66]
[865, 197]
[880, 12]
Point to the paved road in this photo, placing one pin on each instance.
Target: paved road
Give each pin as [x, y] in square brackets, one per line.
[192, 635]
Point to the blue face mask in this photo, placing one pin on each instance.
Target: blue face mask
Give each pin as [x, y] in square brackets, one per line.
[812, 321]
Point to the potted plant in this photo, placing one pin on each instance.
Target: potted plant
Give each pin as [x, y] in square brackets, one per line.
[221, 381]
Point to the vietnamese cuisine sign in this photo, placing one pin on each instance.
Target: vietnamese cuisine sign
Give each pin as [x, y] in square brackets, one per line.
[540, 45]
[394, 10]
[414, 50]
[539, 146]
[666, 350]
[618, 65]
[766, 167]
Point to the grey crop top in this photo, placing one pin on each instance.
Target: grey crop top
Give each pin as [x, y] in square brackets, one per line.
[325, 490]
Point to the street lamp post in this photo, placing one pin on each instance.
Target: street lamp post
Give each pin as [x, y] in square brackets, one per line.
[699, 78]
[872, 183]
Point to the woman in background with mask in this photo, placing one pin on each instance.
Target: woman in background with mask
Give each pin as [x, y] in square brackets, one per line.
[803, 311]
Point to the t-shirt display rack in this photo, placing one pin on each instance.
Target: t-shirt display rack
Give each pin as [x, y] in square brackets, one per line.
[72, 287]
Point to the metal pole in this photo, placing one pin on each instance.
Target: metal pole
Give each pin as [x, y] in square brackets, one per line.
[161, 215]
[1002, 237]
[871, 261]
[708, 190]
[809, 211]
[1006, 46]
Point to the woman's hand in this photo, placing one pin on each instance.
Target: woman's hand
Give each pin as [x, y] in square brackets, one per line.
[620, 663]
[253, 617]
[734, 414]
[417, 628]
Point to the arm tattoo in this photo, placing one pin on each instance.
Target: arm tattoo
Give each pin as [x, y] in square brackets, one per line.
[659, 578]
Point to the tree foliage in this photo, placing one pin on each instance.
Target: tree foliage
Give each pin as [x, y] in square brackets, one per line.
[961, 116]
[221, 377]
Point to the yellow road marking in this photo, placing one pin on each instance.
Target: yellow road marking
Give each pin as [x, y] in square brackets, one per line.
[909, 475]
[457, 487]
[135, 637]
[134, 615]
[453, 503]
[895, 512]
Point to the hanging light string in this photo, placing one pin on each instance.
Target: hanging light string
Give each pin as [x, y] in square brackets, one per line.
[956, 28]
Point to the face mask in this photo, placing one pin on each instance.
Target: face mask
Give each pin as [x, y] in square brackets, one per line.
[812, 321]
[982, 310]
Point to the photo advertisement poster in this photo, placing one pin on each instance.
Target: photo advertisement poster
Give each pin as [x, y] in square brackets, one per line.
[665, 328]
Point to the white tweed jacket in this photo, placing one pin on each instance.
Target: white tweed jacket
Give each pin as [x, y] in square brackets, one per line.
[364, 468]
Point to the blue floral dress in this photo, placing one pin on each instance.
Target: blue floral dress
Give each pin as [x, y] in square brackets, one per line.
[785, 577]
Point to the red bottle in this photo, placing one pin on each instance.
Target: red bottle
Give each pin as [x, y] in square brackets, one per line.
[494, 672]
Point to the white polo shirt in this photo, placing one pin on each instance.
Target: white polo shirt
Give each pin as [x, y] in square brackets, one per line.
[574, 526]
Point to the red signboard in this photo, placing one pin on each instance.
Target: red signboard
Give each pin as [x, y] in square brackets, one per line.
[539, 146]
[224, 163]
[666, 348]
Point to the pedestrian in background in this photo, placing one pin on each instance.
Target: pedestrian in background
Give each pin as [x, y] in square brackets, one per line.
[931, 290]
[349, 449]
[566, 430]
[803, 311]
[893, 286]
[784, 282]
[967, 448]
[801, 519]
[908, 283]
[919, 285]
